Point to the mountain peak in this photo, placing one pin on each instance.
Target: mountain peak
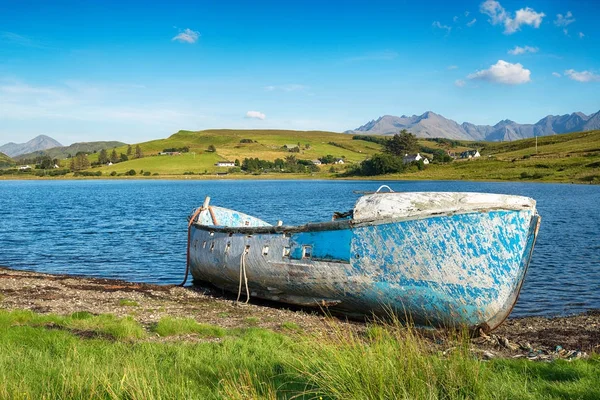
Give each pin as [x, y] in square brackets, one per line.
[40, 142]
[432, 125]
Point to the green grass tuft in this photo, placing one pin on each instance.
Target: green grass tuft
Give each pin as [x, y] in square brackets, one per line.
[128, 303]
[291, 326]
[168, 326]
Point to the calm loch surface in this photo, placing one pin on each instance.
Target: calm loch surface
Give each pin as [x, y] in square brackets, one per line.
[136, 230]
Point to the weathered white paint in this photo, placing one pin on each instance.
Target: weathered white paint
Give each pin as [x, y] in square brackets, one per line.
[421, 204]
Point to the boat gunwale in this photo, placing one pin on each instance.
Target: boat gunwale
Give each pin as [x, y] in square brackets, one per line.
[346, 223]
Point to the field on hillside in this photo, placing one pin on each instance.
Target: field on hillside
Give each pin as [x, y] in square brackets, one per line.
[573, 157]
[266, 145]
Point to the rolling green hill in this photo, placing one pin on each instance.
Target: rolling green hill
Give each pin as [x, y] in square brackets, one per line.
[63, 152]
[572, 157]
[265, 144]
[6, 161]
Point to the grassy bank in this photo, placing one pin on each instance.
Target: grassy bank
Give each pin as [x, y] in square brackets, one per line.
[88, 356]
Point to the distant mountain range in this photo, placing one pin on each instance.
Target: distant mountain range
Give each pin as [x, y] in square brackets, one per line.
[432, 125]
[64, 151]
[41, 142]
[43, 145]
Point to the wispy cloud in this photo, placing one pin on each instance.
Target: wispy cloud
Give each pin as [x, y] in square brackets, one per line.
[564, 20]
[556, 75]
[451, 67]
[522, 50]
[582, 76]
[10, 37]
[291, 87]
[22, 40]
[79, 101]
[472, 22]
[504, 73]
[581, 35]
[187, 36]
[438, 24]
[384, 55]
[255, 115]
[498, 15]
[459, 83]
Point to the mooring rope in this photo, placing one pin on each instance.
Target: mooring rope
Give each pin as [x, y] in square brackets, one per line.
[189, 237]
[243, 276]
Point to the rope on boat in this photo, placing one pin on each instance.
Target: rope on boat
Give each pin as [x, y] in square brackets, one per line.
[212, 216]
[384, 186]
[189, 237]
[243, 276]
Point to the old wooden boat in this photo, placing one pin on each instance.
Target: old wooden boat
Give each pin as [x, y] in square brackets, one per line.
[441, 259]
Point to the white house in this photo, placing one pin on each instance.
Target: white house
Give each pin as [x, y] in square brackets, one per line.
[414, 157]
[339, 161]
[470, 154]
[24, 167]
[316, 162]
[225, 164]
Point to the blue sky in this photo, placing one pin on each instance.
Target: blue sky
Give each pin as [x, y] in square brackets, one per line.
[102, 70]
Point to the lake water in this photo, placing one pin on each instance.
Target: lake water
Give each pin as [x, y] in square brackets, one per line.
[136, 230]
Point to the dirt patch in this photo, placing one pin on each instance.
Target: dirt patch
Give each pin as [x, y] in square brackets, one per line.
[532, 337]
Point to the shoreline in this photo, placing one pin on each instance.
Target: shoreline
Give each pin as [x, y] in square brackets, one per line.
[536, 338]
[280, 177]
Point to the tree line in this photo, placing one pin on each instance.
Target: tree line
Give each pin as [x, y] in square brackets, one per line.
[391, 160]
[290, 164]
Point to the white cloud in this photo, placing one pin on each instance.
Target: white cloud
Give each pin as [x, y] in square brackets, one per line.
[583, 76]
[187, 36]
[437, 24]
[498, 15]
[255, 115]
[581, 35]
[564, 20]
[455, 18]
[472, 22]
[556, 74]
[452, 67]
[522, 50]
[292, 87]
[494, 10]
[459, 83]
[467, 13]
[525, 16]
[503, 72]
[566, 31]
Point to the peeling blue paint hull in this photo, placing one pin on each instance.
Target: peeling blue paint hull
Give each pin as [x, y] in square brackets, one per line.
[440, 259]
